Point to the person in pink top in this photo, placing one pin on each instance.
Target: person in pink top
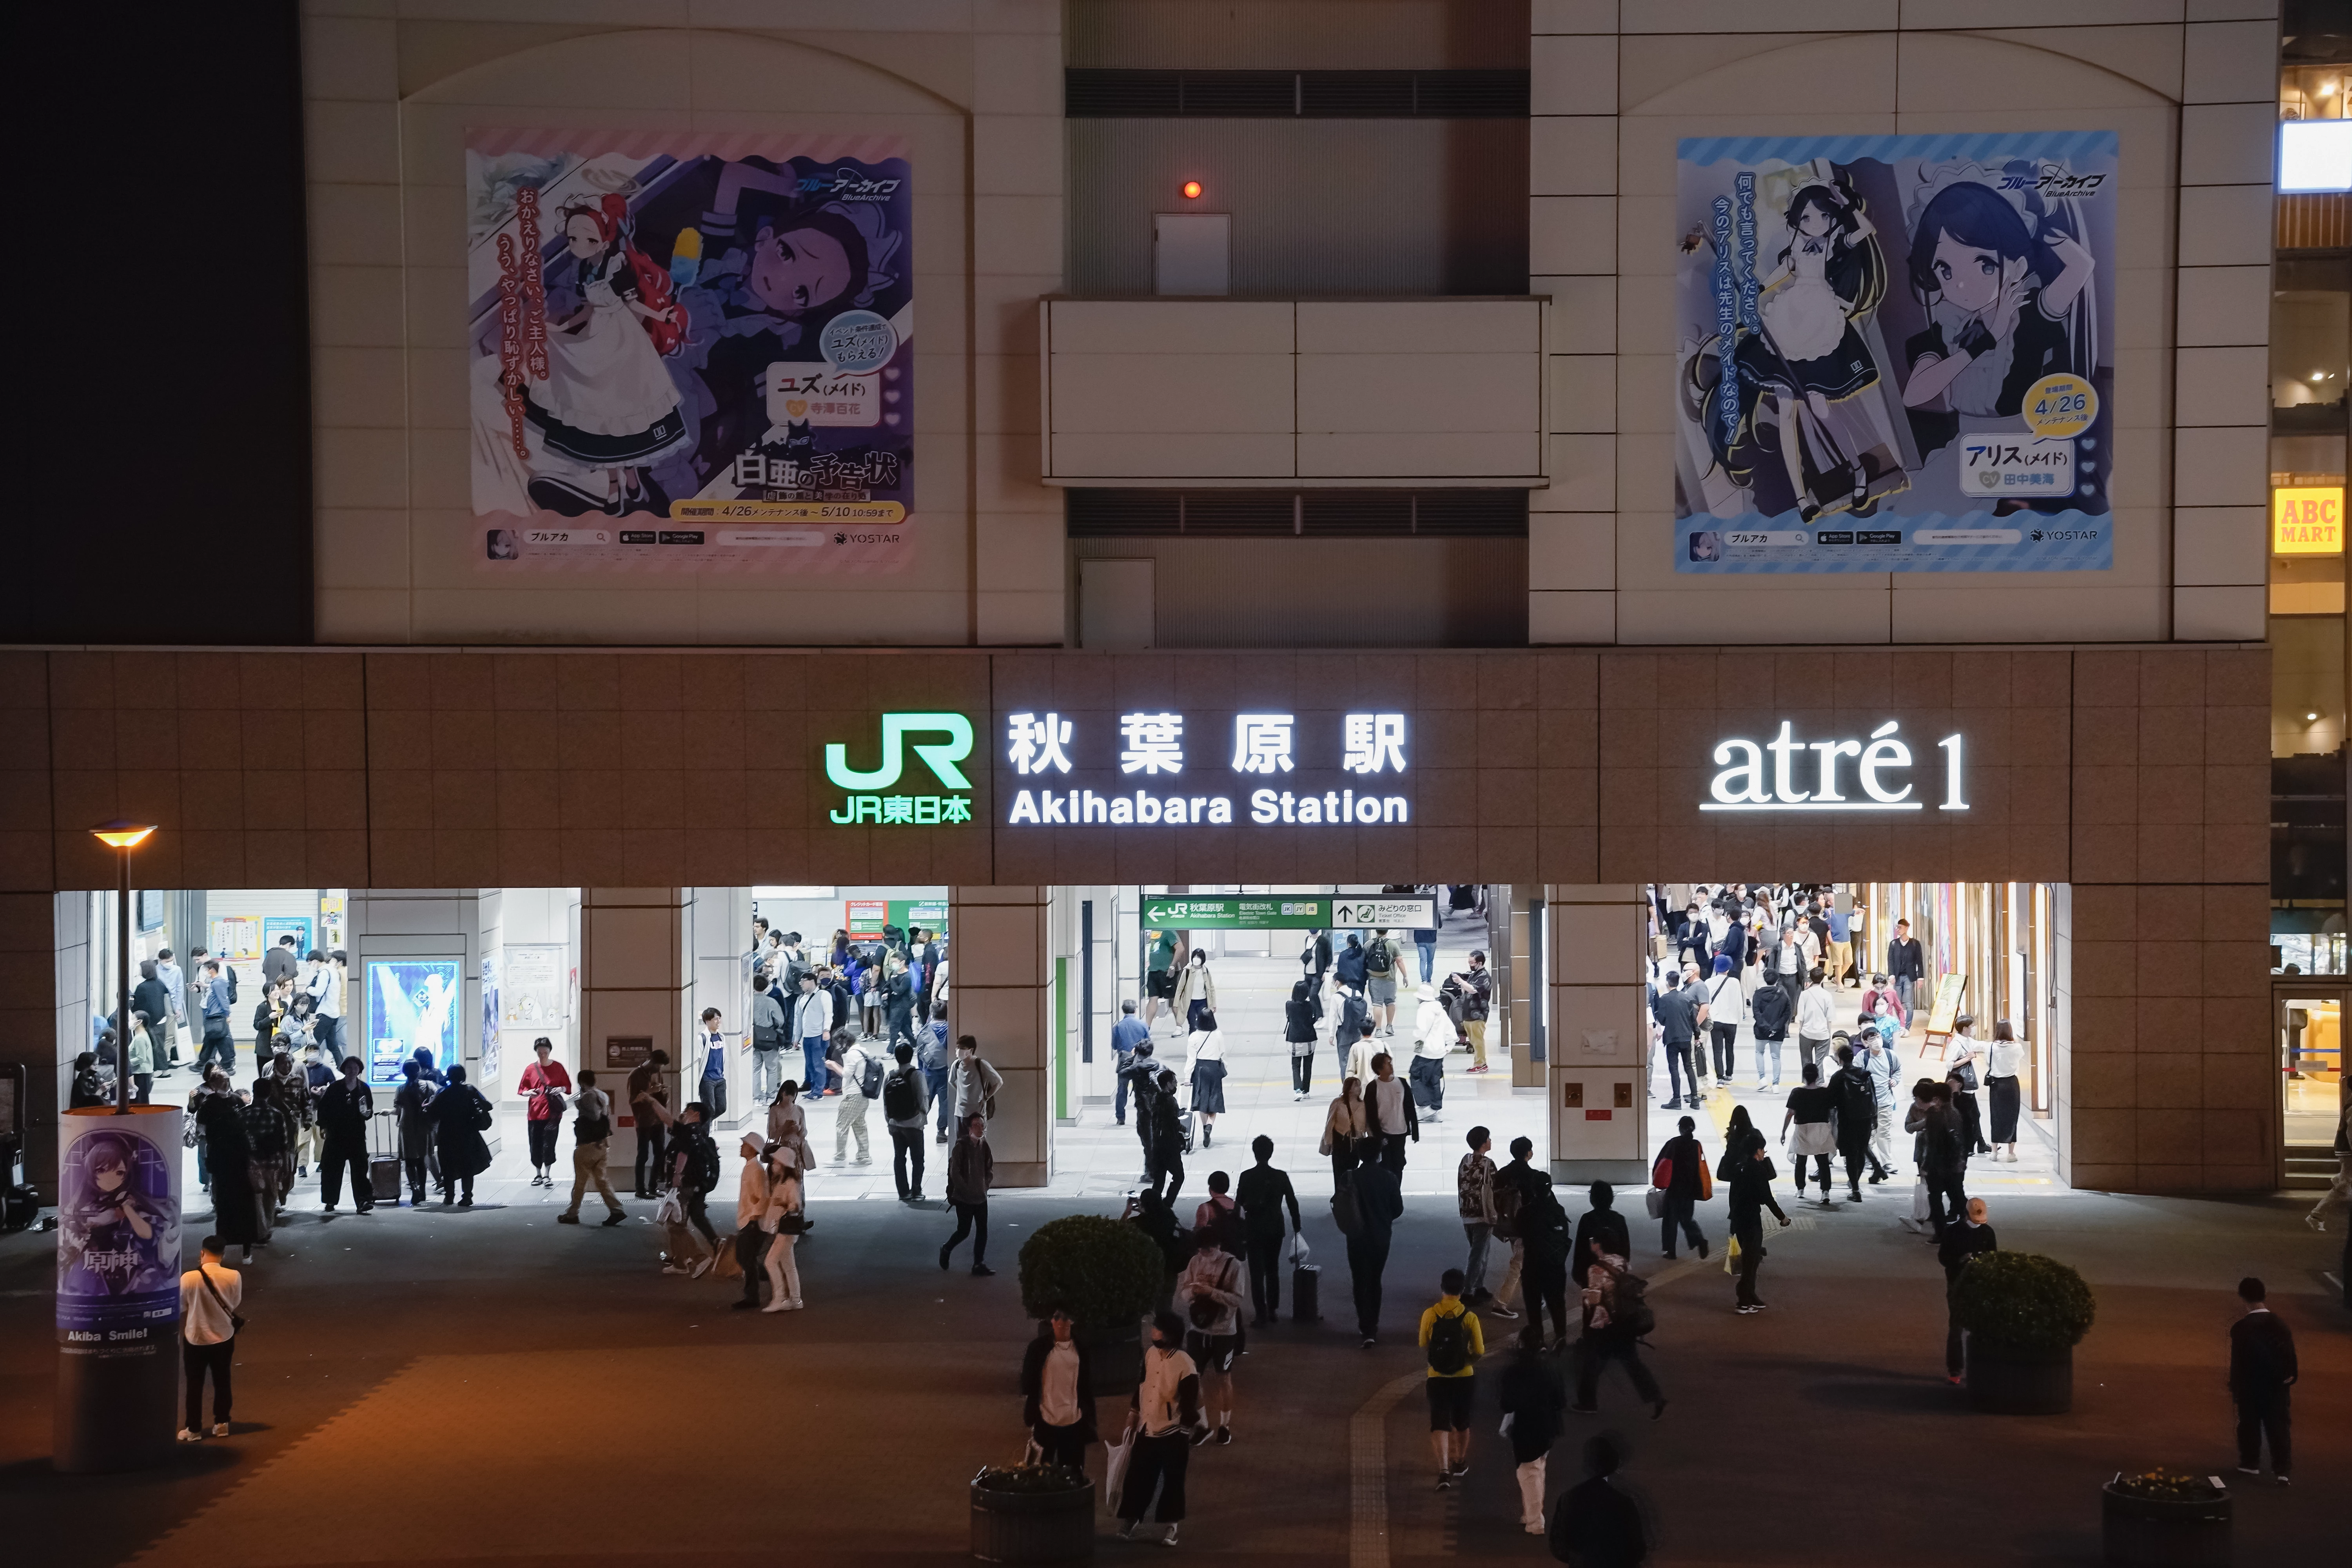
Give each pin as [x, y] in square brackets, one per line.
[546, 1083]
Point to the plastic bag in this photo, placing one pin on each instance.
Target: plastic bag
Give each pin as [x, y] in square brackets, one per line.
[1730, 1255]
[1298, 1250]
[1654, 1200]
[1114, 1471]
[669, 1211]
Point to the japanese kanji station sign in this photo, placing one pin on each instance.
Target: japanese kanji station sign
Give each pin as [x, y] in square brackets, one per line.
[1185, 773]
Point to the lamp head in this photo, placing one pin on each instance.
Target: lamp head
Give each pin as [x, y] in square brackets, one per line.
[122, 834]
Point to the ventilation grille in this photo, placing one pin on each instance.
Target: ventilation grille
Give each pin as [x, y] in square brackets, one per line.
[1097, 94]
[1327, 514]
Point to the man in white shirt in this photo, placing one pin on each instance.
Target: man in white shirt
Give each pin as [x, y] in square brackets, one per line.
[325, 984]
[1389, 1112]
[812, 1023]
[175, 986]
[210, 1294]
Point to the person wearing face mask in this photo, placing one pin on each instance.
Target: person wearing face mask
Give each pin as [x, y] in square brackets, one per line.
[972, 1084]
[1160, 1417]
[1057, 1393]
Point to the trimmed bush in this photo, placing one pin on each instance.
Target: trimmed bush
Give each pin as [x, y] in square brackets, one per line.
[1104, 1272]
[2023, 1301]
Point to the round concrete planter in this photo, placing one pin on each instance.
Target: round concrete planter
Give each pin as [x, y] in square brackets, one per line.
[2148, 1532]
[1032, 1527]
[2005, 1382]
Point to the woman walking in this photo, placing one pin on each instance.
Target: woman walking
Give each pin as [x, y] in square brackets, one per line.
[1749, 1174]
[1207, 1049]
[1344, 1127]
[1196, 990]
[236, 1206]
[270, 1141]
[1166, 1407]
[972, 1169]
[1057, 1393]
[458, 1114]
[2003, 1065]
[546, 1083]
[1300, 1017]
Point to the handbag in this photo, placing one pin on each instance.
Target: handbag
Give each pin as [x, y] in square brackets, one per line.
[1654, 1200]
[236, 1323]
[482, 1115]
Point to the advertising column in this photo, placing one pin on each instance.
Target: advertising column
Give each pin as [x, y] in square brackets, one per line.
[117, 1287]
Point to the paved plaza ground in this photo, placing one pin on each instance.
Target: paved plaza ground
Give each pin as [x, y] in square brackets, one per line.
[486, 1386]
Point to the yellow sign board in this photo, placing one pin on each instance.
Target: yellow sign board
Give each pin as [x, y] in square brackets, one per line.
[1945, 1013]
[2307, 519]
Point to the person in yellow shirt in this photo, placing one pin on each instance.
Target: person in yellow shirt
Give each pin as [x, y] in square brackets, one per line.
[1451, 1335]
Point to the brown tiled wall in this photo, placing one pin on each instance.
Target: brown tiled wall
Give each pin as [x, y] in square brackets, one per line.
[2138, 776]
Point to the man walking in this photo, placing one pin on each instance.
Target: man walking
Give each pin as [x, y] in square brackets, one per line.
[1378, 1199]
[1839, 956]
[219, 1042]
[1816, 1021]
[2261, 1369]
[1612, 1331]
[861, 1082]
[1962, 1244]
[175, 987]
[1452, 1337]
[591, 1132]
[1142, 1074]
[1679, 1011]
[1724, 1007]
[1857, 1120]
[327, 987]
[280, 962]
[1125, 1036]
[648, 1095]
[1906, 966]
[905, 1102]
[210, 1294]
[971, 1171]
[1263, 1193]
[1529, 1394]
[1474, 1199]
[1381, 960]
[1163, 1151]
[343, 1111]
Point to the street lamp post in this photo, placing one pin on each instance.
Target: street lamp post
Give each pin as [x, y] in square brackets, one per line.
[122, 837]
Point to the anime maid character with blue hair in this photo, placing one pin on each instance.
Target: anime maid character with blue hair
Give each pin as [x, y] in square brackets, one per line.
[2001, 283]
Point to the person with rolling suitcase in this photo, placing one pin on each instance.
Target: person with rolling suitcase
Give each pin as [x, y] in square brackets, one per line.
[1261, 1193]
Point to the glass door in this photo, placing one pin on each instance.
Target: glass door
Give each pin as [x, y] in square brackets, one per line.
[2308, 1021]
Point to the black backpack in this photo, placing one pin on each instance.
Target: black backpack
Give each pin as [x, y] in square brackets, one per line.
[869, 1082]
[1770, 1005]
[1449, 1343]
[1631, 1310]
[901, 1101]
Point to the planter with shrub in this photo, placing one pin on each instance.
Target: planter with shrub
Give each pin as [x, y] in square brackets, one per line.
[1106, 1274]
[2164, 1519]
[1032, 1513]
[2024, 1314]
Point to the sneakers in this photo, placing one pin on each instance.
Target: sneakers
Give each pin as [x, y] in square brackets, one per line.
[1170, 1538]
[571, 1220]
[1498, 1310]
[617, 1218]
[673, 1269]
[1224, 1437]
[783, 1305]
[190, 1435]
[701, 1266]
[1461, 1467]
[1201, 1438]
[220, 1429]
[1702, 1247]
[1369, 1341]
[983, 1271]
[1445, 1480]
[943, 1259]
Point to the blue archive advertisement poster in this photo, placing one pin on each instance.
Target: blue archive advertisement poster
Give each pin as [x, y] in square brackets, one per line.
[1895, 353]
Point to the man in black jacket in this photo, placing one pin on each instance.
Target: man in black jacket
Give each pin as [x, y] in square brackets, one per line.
[1141, 1077]
[1905, 966]
[344, 1108]
[1595, 1525]
[2261, 1369]
[1380, 1199]
[1262, 1191]
[1857, 1115]
[1683, 1158]
[1163, 1154]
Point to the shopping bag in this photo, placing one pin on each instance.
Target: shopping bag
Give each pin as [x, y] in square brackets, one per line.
[730, 1263]
[1730, 1255]
[1654, 1200]
[1119, 1451]
[669, 1211]
[1919, 1201]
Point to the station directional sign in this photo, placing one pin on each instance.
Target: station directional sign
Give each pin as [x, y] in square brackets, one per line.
[1282, 912]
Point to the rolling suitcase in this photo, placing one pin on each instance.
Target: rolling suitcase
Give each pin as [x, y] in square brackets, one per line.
[383, 1164]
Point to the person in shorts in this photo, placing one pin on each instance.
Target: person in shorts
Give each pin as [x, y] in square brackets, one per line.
[1451, 1336]
[1210, 1295]
[1383, 962]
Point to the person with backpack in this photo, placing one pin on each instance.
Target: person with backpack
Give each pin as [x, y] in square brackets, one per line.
[694, 1173]
[1219, 1216]
[1857, 1118]
[1942, 1155]
[1454, 1341]
[1390, 1113]
[592, 1132]
[906, 1101]
[971, 1171]
[1209, 1294]
[1544, 1224]
[1681, 1173]
[1348, 970]
[1532, 1402]
[1599, 1226]
[1262, 1191]
[1354, 1028]
[972, 1084]
[1474, 1199]
[1302, 1017]
[1511, 1186]
[1380, 963]
[769, 1029]
[1617, 1316]
[1371, 1200]
[861, 1084]
[1726, 1006]
[1748, 1170]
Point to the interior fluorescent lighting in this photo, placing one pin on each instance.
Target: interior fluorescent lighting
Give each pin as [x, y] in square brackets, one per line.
[2314, 155]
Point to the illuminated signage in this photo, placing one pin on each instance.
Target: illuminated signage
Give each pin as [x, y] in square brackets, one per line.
[865, 803]
[1155, 746]
[2307, 519]
[1879, 779]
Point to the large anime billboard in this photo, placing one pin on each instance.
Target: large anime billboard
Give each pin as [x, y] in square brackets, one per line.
[1895, 353]
[689, 352]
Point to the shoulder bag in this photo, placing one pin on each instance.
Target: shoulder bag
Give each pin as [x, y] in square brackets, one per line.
[236, 1323]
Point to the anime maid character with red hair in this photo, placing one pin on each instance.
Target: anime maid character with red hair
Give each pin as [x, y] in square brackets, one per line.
[608, 404]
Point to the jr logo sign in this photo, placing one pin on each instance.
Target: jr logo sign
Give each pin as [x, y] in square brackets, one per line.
[906, 810]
